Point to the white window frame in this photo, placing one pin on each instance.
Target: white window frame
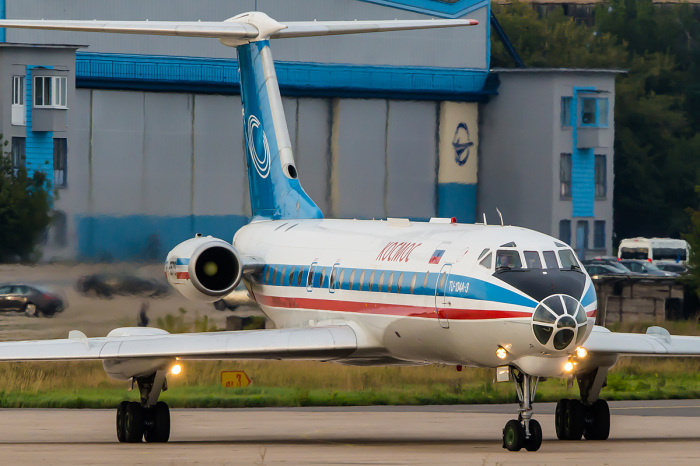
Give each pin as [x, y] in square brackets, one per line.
[58, 90]
[18, 90]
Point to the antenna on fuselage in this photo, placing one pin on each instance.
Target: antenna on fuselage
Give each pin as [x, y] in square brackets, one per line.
[484, 214]
[500, 215]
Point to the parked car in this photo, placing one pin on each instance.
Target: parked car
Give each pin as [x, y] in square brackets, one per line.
[647, 268]
[238, 297]
[611, 265]
[32, 300]
[605, 269]
[670, 267]
[107, 284]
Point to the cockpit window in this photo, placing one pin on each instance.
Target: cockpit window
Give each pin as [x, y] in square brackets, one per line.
[483, 253]
[486, 262]
[532, 259]
[567, 258]
[550, 259]
[508, 259]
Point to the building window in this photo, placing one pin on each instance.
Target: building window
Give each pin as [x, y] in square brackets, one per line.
[566, 111]
[60, 158]
[565, 176]
[50, 91]
[18, 90]
[601, 189]
[565, 231]
[594, 112]
[59, 229]
[599, 234]
[19, 152]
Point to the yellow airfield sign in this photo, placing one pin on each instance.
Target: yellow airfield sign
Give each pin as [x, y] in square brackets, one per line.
[234, 379]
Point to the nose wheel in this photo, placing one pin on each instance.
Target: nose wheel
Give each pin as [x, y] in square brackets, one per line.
[523, 432]
[146, 420]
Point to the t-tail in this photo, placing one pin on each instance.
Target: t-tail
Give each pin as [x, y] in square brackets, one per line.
[275, 191]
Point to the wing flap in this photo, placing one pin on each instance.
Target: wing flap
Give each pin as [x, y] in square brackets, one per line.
[330, 342]
[604, 341]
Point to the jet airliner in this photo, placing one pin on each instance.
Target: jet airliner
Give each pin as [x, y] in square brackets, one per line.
[356, 292]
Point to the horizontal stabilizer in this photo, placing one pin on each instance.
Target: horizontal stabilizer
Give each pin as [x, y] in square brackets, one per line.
[331, 28]
[234, 31]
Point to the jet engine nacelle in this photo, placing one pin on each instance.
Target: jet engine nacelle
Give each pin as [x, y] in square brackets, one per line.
[204, 268]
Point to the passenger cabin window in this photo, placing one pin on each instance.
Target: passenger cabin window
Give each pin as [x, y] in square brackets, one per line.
[282, 276]
[267, 275]
[508, 259]
[342, 275]
[550, 259]
[310, 278]
[413, 283]
[391, 282]
[300, 276]
[371, 280]
[274, 275]
[425, 280]
[322, 277]
[486, 261]
[362, 281]
[567, 258]
[352, 280]
[398, 283]
[532, 259]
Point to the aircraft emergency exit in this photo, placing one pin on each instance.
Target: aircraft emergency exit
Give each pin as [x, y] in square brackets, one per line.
[385, 292]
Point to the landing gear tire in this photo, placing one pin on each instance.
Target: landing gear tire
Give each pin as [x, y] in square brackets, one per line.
[559, 415]
[133, 422]
[513, 435]
[121, 419]
[30, 310]
[157, 423]
[597, 425]
[569, 419]
[535, 441]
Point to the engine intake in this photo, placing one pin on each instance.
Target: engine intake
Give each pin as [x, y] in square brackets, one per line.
[204, 268]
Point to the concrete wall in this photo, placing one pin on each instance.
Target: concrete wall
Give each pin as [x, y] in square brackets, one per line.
[521, 149]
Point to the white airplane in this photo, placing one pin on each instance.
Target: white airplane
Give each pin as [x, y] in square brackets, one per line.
[391, 292]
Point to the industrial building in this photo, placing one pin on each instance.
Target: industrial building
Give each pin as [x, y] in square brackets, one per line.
[144, 140]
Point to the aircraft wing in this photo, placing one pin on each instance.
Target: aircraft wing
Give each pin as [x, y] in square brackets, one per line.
[317, 343]
[234, 29]
[656, 342]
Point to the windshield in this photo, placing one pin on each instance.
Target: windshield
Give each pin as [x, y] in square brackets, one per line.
[634, 253]
[568, 259]
[508, 259]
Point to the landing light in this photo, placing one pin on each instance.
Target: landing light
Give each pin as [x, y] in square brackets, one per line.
[581, 352]
[501, 353]
[569, 366]
[176, 369]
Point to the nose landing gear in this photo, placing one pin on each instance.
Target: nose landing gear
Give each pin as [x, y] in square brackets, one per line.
[148, 419]
[524, 432]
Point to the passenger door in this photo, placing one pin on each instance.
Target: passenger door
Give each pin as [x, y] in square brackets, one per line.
[442, 301]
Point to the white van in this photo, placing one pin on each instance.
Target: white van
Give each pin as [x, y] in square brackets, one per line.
[654, 249]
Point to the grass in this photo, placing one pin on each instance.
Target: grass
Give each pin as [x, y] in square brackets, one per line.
[299, 383]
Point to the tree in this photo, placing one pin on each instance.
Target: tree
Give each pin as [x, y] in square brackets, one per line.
[24, 209]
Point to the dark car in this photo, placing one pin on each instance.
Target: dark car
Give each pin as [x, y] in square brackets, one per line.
[669, 267]
[108, 284]
[646, 268]
[31, 300]
[605, 269]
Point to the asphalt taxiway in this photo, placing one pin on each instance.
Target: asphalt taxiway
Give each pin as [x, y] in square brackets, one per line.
[642, 432]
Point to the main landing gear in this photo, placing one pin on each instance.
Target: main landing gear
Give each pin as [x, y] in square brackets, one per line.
[588, 417]
[524, 432]
[148, 419]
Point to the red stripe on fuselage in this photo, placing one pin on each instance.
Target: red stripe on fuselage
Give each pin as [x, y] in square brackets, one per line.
[383, 308]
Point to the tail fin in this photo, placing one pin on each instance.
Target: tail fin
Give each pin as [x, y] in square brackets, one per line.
[275, 191]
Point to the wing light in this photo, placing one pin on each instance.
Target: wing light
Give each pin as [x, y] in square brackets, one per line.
[176, 369]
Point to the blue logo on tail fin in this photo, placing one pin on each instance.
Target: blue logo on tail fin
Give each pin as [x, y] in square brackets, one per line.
[275, 191]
